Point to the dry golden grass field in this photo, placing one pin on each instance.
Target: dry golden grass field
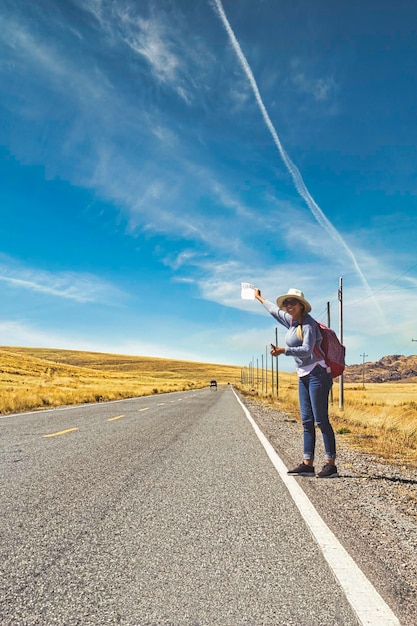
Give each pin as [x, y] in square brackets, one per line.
[34, 378]
[380, 418]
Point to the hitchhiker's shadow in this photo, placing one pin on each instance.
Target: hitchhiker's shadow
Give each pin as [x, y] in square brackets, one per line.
[392, 479]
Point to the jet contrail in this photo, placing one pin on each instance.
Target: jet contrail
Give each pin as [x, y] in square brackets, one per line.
[291, 167]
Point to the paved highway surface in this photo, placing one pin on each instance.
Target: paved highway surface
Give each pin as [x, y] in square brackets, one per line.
[162, 510]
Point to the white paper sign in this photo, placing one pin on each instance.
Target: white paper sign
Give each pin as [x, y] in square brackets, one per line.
[248, 291]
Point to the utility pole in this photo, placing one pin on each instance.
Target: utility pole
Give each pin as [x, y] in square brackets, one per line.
[340, 295]
[262, 366]
[328, 324]
[266, 370]
[363, 369]
[276, 371]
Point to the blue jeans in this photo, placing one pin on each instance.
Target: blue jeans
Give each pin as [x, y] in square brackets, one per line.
[313, 393]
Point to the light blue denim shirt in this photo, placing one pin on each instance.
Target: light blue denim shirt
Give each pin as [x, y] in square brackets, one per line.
[301, 349]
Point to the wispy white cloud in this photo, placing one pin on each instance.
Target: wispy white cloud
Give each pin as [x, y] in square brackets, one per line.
[20, 333]
[184, 258]
[162, 39]
[99, 118]
[249, 338]
[148, 37]
[89, 152]
[39, 57]
[68, 285]
[321, 89]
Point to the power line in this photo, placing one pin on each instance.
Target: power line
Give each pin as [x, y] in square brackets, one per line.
[383, 288]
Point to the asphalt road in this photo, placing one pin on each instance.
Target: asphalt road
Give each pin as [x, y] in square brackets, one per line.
[162, 510]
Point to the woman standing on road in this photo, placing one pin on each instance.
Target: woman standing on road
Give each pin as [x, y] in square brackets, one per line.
[314, 379]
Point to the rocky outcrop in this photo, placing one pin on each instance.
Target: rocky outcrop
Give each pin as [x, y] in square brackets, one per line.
[390, 368]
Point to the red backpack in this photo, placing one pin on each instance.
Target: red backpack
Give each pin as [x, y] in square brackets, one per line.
[333, 351]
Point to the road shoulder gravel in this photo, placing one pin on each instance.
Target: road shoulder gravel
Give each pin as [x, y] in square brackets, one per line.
[371, 508]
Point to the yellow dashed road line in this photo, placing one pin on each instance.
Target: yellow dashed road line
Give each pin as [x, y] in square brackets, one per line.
[110, 419]
[61, 432]
[118, 417]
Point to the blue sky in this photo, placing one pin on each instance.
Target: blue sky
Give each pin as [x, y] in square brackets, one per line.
[154, 155]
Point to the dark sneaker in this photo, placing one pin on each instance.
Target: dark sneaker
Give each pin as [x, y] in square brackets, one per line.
[302, 470]
[328, 471]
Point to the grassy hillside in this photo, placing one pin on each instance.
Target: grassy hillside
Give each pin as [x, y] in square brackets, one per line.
[33, 378]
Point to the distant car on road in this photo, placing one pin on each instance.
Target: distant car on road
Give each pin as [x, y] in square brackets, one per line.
[213, 383]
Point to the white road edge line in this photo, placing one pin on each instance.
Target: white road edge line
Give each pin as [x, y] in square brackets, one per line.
[370, 608]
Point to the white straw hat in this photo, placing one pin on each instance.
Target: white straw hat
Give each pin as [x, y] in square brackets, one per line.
[294, 293]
